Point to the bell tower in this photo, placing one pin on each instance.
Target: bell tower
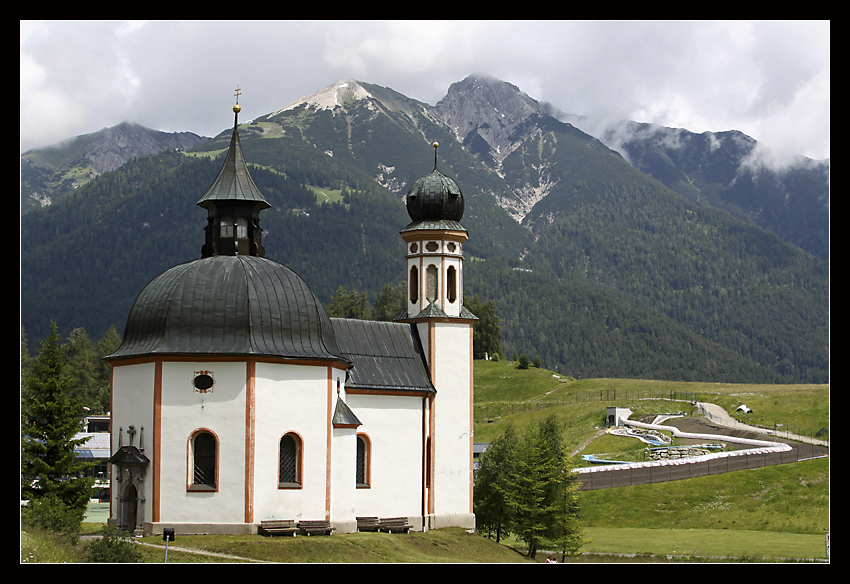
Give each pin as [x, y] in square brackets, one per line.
[233, 203]
[434, 242]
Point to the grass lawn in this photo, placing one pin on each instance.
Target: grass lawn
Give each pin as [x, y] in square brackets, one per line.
[708, 543]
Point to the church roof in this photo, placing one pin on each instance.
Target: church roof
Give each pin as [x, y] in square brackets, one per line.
[343, 416]
[234, 182]
[385, 355]
[129, 455]
[435, 201]
[434, 311]
[229, 305]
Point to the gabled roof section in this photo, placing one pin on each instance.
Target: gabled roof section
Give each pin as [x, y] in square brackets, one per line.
[386, 356]
[344, 417]
[129, 455]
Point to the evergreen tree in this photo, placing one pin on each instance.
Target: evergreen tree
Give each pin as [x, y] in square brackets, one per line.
[542, 493]
[486, 333]
[82, 365]
[389, 302]
[107, 345]
[523, 362]
[495, 467]
[52, 478]
[349, 304]
[529, 493]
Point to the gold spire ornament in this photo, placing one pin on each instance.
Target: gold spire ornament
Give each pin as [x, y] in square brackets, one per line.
[237, 108]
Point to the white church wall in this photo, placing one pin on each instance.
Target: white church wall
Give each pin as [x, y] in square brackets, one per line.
[222, 411]
[393, 425]
[343, 502]
[132, 405]
[291, 398]
[452, 419]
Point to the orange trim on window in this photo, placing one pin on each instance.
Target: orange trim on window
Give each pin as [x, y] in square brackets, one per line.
[299, 461]
[190, 459]
[367, 471]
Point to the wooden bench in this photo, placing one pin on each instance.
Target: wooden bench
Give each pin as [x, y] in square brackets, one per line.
[278, 527]
[315, 527]
[394, 525]
[367, 524]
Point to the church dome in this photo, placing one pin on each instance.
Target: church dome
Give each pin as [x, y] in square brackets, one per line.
[229, 305]
[435, 197]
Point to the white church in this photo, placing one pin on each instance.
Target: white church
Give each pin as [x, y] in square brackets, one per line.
[237, 400]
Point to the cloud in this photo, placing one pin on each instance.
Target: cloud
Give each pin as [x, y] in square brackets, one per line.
[768, 79]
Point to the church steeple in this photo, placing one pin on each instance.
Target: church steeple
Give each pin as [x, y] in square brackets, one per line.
[233, 203]
[434, 239]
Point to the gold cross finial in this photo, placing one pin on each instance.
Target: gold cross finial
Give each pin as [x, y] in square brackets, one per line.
[237, 107]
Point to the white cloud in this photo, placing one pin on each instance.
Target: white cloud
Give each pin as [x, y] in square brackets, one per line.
[768, 79]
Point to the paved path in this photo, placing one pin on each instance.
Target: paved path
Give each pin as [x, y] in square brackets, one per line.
[720, 416]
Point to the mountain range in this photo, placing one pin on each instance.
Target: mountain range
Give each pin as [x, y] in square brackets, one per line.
[641, 252]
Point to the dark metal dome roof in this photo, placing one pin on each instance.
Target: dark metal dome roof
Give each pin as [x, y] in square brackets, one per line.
[229, 305]
[435, 201]
[435, 197]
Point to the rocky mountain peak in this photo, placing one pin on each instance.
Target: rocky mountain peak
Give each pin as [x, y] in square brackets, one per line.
[119, 144]
[484, 114]
[340, 93]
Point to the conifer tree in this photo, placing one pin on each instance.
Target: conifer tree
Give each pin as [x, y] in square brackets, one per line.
[389, 302]
[349, 304]
[492, 481]
[541, 491]
[486, 332]
[530, 493]
[52, 478]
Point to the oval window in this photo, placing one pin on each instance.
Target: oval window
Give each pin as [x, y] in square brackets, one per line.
[203, 382]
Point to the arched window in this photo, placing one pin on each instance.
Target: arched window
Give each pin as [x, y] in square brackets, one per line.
[241, 227]
[289, 469]
[451, 283]
[204, 446]
[431, 283]
[364, 455]
[226, 226]
[414, 285]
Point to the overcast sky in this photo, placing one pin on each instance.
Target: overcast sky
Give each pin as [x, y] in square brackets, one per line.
[768, 79]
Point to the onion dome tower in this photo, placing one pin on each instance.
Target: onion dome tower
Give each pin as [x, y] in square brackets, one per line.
[232, 301]
[434, 239]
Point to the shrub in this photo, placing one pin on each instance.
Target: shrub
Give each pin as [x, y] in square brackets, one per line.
[51, 514]
[112, 547]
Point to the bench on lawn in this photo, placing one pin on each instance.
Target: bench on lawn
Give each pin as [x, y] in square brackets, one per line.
[394, 525]
[315, 527]
[278, 527]
[367, 524]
